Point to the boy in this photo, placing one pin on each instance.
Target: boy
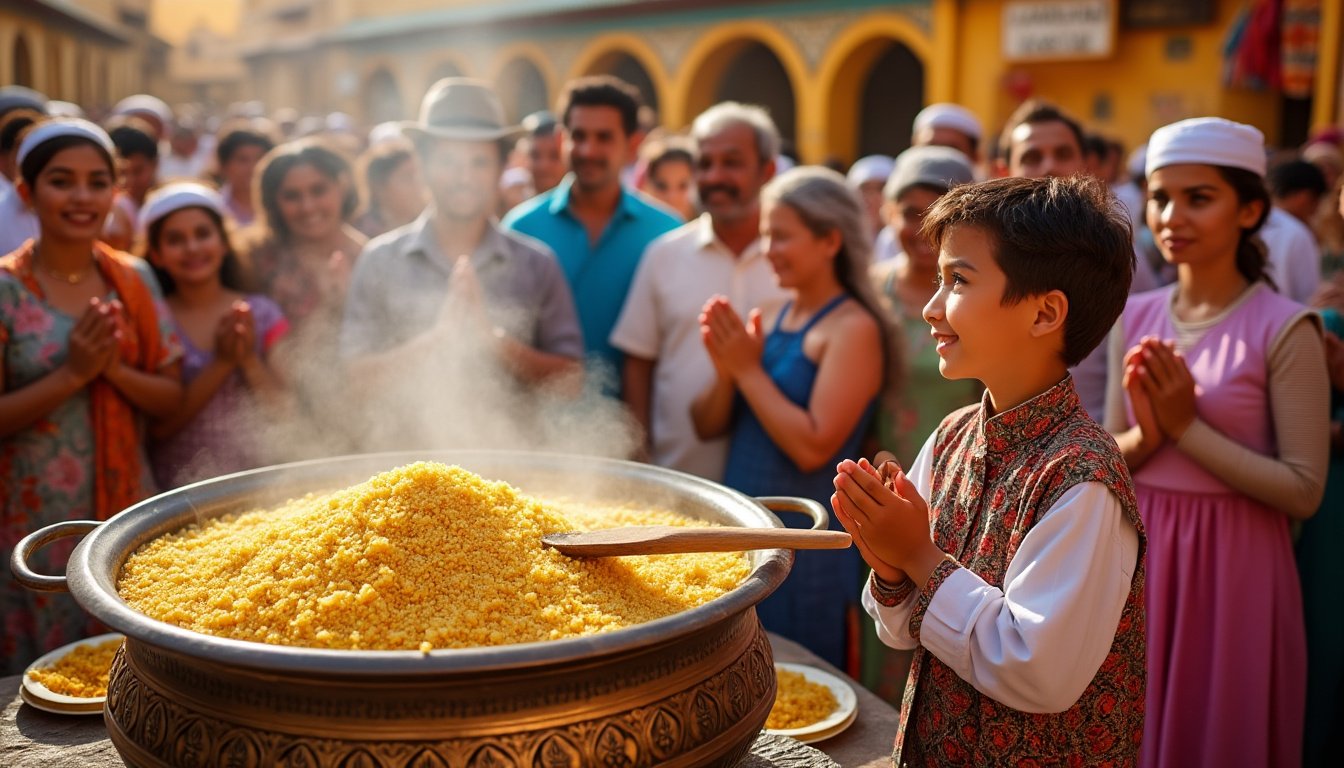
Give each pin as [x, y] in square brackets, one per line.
[1025, 601]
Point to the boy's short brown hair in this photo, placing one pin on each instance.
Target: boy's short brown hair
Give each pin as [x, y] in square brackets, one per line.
[1065, 234]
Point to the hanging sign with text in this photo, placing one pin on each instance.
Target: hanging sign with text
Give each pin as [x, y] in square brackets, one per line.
[1043, 30]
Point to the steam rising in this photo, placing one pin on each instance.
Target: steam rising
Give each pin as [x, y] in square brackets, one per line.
[459, 397]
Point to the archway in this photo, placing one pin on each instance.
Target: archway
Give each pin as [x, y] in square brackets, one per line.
[892, 95]
[55, 72]
[23, 62]
[382, 98]
[522, 89]
[748, 71]
[873, 81]
[628, 68]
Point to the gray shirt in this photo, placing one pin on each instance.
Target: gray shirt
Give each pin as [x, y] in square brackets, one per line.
[401, 279]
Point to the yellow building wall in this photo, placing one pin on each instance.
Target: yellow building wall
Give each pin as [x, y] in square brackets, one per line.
[1146, 90]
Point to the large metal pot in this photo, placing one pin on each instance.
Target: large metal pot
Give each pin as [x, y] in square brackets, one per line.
[691, 689]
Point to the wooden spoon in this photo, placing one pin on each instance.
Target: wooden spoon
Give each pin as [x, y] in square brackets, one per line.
[673, 539]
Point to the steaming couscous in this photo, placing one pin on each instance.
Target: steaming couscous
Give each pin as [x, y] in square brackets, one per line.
[421, 557]
[82, 672]
[799, 702]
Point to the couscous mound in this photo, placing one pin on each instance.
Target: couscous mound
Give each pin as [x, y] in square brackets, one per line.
[82, 672]
[799, 702]
[421, 557]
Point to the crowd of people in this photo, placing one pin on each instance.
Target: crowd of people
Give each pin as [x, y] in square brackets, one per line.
[187, 295]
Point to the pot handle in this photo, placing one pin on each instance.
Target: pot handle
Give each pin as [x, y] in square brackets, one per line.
[821, 519]
[18, 561]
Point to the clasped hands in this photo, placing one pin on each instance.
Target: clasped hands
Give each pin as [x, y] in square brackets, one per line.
[95, 341]
[888, 519]
[734, 346]
[236, 335]
[1161, 390]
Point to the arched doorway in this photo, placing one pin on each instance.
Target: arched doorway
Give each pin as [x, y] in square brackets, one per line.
[441, 70]
[23, 62]
[382, 98]
[873, 82]
[628, 68]
[893, 94]
[748, 71]
[522, 89]
[55, 72]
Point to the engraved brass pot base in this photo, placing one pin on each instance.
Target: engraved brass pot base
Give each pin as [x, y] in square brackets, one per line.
[691, 689]
[699, 702]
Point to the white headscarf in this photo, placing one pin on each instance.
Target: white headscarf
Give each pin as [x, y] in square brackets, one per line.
[1207, 141]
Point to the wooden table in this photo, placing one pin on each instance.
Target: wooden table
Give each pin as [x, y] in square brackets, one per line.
[30, 738]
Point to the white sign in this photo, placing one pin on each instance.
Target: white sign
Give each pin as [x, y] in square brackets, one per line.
[1058, 29]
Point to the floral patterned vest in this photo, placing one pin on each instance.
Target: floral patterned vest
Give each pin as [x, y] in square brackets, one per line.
[992, 479]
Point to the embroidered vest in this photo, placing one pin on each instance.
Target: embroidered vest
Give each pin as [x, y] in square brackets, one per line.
[992, 480]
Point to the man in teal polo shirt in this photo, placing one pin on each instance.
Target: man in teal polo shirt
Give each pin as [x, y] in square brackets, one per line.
[597, 228]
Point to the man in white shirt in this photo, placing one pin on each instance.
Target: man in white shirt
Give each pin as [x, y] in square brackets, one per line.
[1294, 255]
[718, 253]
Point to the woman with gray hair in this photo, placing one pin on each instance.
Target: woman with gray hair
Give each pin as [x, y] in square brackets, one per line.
[798, 399]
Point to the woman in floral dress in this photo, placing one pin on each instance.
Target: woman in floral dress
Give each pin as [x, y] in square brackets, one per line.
[84, 356]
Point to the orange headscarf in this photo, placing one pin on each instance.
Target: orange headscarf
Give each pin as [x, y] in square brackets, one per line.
[117, 468]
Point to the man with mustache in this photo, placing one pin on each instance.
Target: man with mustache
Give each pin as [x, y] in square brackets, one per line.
[597, 228]
[666, 365]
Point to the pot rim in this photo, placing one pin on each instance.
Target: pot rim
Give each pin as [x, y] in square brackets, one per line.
[97, 560]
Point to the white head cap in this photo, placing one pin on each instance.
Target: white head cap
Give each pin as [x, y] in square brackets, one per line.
[870, 168]
[64, 109]
[1207, 141]
[953, 116]
[143, 103]
[172, 198]
[62, 126]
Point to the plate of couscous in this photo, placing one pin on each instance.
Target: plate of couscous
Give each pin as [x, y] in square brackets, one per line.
[811, 705]
[72, 680]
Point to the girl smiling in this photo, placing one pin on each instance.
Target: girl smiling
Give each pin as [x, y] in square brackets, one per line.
[84, 356]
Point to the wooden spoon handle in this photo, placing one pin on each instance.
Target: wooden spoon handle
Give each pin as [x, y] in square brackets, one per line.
[670, 539]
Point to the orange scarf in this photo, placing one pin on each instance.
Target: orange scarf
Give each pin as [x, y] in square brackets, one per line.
[117, 468]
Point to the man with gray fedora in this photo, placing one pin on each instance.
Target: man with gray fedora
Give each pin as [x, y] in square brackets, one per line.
[452, 279]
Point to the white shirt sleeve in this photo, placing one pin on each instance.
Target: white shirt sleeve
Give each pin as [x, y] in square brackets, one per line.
[636, 331]
[1037, 644]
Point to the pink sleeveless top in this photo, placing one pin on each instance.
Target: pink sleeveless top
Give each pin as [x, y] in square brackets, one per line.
[1230, 366]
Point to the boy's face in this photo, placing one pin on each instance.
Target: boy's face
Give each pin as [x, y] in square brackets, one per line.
[978, 336]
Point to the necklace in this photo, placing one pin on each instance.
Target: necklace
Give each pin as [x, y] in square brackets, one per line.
[69, 279]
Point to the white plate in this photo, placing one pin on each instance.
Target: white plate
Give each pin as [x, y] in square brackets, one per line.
[846, 710]
[38, 695]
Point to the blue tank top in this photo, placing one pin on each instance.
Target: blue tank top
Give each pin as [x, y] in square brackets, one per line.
[756, 466]
[818, 602]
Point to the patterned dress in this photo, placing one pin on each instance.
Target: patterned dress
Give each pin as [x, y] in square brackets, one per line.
[992, 480]
[47, 470]
[225, 436]
[1226, 646]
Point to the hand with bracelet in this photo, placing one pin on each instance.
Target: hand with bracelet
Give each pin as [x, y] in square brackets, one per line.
[888, 519]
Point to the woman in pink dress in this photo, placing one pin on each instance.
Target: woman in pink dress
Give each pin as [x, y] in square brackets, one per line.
[1219, 400]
